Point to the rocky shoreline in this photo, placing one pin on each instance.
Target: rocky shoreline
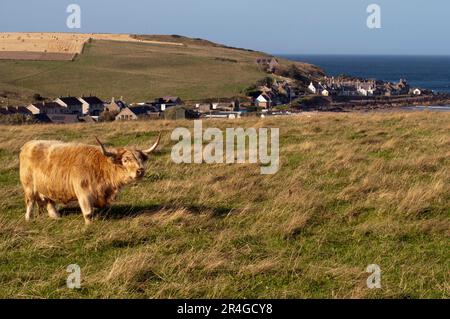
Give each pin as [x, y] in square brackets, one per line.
[379, 103]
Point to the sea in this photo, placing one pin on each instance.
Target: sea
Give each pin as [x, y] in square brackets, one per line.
[429, 72]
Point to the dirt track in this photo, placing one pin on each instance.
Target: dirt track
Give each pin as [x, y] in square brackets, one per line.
[36, 56]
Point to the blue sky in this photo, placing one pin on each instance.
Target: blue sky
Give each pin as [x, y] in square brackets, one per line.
[281, 26]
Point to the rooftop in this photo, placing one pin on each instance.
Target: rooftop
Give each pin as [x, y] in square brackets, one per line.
[70, 100]
[44, 105]
[92, 100]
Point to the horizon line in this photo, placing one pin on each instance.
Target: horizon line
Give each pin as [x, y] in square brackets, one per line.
[363, 54]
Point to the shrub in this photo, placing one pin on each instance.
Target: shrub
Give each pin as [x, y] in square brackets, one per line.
[107, 116]
[267, 81]
[37, 97]
[17, 119]
[292, 72]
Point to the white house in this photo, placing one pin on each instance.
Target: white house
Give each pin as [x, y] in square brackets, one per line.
[73, 105]
[365, 92]
[365, 89]
[92, 105]
[263, 100]
[325, 92]
[47, 108]
[312, 88]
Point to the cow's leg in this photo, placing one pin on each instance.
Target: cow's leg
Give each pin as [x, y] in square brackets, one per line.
[41, 203]
[51, 209]
[86, 208]
[28, 190]
[29, 202]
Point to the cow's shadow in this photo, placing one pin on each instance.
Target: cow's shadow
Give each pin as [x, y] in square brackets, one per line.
[121, 211]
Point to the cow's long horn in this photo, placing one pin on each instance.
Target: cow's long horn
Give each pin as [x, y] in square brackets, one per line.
[104, 151]
[151, 149]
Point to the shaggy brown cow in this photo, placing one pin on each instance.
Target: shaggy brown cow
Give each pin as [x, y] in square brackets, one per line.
[57, 172]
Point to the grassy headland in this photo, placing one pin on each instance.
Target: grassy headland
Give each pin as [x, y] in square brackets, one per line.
[139, 72]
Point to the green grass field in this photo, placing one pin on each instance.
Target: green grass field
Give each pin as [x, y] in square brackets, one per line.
[352, 190]
[136, 71]
[140, 72]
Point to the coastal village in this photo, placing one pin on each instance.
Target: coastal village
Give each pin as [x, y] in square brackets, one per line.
[274, 95]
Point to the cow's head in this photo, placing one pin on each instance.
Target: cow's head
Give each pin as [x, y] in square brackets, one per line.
[131, 159]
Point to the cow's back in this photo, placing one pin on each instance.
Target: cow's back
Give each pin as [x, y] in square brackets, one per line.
[50, 168]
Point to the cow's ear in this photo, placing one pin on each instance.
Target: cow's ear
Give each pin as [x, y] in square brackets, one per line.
[118, 154]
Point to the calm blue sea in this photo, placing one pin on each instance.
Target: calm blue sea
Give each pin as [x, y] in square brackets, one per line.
[430, 72]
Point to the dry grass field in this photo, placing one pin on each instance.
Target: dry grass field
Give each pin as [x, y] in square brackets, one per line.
[352, 190]
[58, 46]
[60, 42]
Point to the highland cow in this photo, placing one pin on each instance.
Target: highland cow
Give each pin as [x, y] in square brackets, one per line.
[56, 172]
